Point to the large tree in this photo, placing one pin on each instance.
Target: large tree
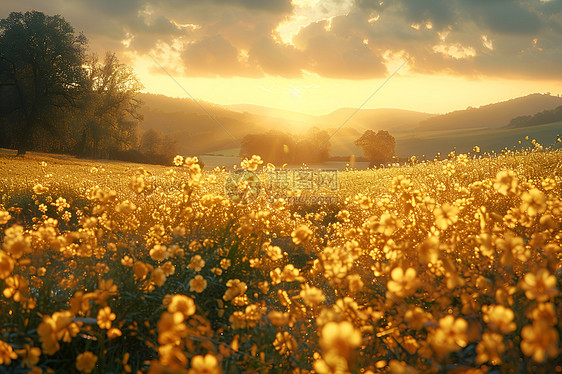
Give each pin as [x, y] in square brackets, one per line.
[109, 107]
[378, 147]
[41, 73]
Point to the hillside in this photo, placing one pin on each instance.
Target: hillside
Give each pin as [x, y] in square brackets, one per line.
[193, 129]
[492, 115]
[416, 133]
[393, 120]
[196, 133]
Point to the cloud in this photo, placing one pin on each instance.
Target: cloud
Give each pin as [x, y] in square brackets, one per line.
[348, 39]
[333, 52]
[277, 58]
[214, 56]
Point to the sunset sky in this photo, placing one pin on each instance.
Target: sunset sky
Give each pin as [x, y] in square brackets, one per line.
[316, 56]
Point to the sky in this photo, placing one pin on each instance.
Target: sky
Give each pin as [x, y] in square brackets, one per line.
[315, 56]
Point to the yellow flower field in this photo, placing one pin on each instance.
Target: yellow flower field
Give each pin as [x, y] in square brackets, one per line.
[444, 266]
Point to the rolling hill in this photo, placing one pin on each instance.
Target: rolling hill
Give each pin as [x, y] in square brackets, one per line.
[416, 133]
[197, 133]
[492, 115]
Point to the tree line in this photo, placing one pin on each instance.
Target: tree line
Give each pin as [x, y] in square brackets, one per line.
[57, 97]
[541, 118]
[313, 147]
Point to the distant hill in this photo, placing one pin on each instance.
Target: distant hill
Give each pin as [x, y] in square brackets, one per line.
[196, 133]
[193, 129]
[392, 120]
[492, 115]
[462, 141]
[416, 133]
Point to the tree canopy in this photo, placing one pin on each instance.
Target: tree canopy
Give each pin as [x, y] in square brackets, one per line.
[109, 107]
[54, 96]
[378, 147]
[41, 73]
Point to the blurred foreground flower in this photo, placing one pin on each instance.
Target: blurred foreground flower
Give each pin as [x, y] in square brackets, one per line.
[86, 362]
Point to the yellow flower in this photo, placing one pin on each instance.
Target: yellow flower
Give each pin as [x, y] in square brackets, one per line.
[547, 183]
[4, 217]
[30, 355]
[506, 182]
[540, 286]
[399, 367]
[235, 288]
[197, 284]
[16, 288]
[278, 318]
[363, 201]
[86, 362]
[6, 265]
[140, 269]
[105, 289]
[207, 364]
[331, 363]
[38, 189]
[197, 263]
[171, 328]
[416, 317]
[274, 253]
[544, 312]
[490, 348]
[512, 247]
[168, 268]
[428, 251]
[312, 296]
[290, 273]
[301, 234]
[159, 252]
[225, 263]
[105, 317]
[7, 354]
[182, 304]
[251, 164]
[533, 202]
[539, 341]
[285, 343]
[113, 333]
[16, 243]
[178, 160]
[59, 326]
[450, 336]
[403, 283]
[341, 337]
[172, 357]
[158, 277]
[387, 224]
[445, 216]
[499, 318]
[337, 262]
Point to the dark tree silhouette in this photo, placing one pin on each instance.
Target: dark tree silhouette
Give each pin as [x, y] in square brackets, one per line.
[40, 72]
[378, 148]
